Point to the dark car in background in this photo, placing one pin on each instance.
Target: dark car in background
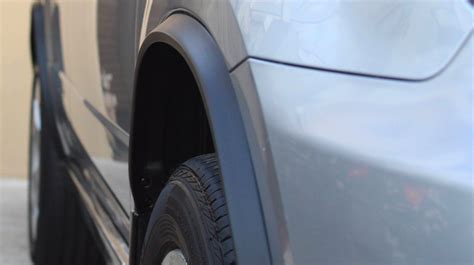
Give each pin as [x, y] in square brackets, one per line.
[252, 132]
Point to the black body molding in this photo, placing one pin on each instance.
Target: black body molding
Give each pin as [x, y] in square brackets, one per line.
[196, 45]
[39, 59]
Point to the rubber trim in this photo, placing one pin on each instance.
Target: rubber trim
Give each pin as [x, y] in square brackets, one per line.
[116, 131]
[200, 51]
[40, 62]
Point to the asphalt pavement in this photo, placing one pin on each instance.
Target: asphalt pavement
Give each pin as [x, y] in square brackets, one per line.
[13, 222]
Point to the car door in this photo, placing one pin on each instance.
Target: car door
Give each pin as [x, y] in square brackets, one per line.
[96, 39]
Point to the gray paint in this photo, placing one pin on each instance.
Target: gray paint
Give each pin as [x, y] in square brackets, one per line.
[415, 38]
[410, 39]
[216, 15]
[370, 171]
[351, 170]
[263, 163]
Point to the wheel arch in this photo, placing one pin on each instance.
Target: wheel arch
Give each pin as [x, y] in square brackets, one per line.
[193, 42]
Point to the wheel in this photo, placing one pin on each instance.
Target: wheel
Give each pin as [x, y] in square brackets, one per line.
[57, 232]
[189, 223]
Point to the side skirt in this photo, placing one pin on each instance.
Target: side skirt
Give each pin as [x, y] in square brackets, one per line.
[116, 247]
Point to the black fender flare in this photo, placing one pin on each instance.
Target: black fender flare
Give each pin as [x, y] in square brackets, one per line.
[39, 56]
[196, 45]
[51, 101]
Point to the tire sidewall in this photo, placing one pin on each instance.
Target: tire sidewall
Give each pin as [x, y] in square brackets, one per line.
[176, 225]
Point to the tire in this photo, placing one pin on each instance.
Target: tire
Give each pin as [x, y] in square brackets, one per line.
[189, 219]
[57, 232]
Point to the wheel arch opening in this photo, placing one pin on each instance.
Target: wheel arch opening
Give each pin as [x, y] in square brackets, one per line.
[170, 124]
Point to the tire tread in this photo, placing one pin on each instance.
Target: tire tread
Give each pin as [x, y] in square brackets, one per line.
[207, 185]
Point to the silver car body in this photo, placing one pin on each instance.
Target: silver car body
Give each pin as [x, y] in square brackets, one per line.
[359, 115]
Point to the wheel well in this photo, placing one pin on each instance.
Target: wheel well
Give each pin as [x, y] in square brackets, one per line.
[160, 75]
[170, 124]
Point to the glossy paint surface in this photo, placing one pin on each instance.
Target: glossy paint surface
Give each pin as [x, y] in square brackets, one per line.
[351, 170]
[415, 38]
[216, 15]
[99, 41]
[96, 74]
[408, 39]
[369, 171]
